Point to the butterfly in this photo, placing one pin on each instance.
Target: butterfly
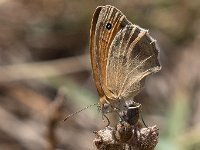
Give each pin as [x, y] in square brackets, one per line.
[122, 56]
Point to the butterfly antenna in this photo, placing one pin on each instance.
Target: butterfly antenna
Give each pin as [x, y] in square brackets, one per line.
[70, 115]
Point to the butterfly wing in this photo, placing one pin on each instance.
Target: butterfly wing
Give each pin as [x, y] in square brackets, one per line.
[132, 56]
[106, 22]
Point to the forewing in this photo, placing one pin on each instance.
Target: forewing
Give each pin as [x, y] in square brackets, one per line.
[101, 38]
[93, 53]
[132, 56]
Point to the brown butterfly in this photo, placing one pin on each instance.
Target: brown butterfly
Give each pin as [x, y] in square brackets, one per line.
[122, 56]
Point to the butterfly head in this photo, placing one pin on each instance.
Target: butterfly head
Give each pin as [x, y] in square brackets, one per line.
[110, 105]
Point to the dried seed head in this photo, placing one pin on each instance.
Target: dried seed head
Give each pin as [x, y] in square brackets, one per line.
[148, 138]
[123, 132]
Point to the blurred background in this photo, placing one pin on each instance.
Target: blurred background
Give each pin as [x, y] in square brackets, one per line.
[45, 73]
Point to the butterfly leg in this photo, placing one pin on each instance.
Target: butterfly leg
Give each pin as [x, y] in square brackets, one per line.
[116, 110]
[104, 116]
[143, 121]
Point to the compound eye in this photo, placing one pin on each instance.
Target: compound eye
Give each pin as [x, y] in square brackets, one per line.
[106, 108]
[106, 105]
[108, 26]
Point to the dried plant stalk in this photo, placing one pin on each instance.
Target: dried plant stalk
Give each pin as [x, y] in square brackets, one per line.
[126, 137]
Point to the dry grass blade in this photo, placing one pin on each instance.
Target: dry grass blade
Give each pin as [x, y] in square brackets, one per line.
[43, 69]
